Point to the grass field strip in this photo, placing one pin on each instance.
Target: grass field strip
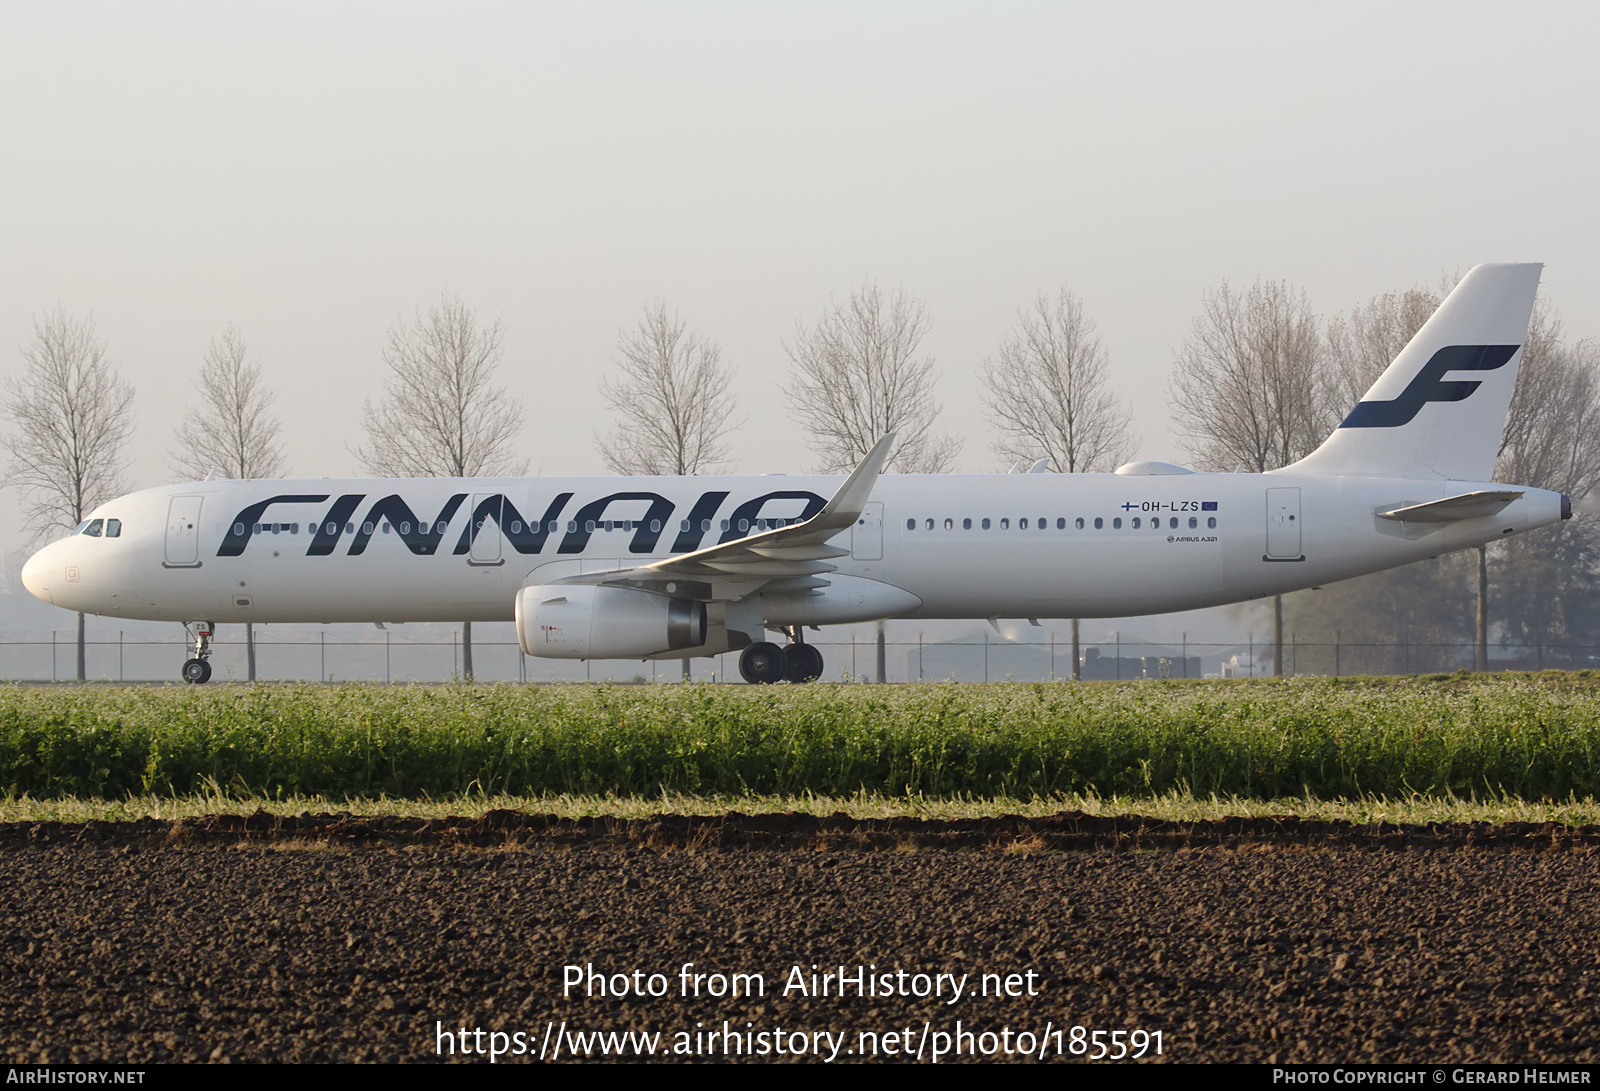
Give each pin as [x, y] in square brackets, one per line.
[1474, 741]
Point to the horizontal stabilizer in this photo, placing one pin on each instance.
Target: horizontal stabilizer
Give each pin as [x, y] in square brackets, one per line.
[1469, 505]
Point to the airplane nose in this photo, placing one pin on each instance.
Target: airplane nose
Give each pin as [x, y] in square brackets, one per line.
[33, 576]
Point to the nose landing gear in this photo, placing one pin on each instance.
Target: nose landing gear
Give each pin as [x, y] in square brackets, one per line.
[197, 669]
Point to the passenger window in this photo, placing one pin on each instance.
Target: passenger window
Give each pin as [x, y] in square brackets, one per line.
[1022, 524]
[516, 526]
[930, 524]
[405, 526]
[1061, 524]
[1116, 524]
[911, 524]
[655, 526]
[985, 523]
[366, 528]
[1212, 523]
[238, 530]
[113, 528]
[1193, 522]
[1099, 523]
[588, 526]
[724, 524]
[1079, 522]
[1135, 522]
[1173, 523]
[422, 528]
[1005, 524]
[949, 524]
[744, 525]
[966, 524]
[705, 525]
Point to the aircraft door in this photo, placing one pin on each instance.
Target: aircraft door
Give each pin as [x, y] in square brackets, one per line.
[866, 537]
[183, 532]
[1283, 525]
[487, 537]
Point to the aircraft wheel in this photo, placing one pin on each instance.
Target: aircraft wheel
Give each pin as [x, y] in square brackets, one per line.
[197, 671]
[804, 663]
[762, 664]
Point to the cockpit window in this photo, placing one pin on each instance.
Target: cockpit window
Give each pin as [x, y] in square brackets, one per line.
[113, 528]
[94, 527]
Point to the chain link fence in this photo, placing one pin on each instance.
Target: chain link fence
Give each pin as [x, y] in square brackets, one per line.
[437, 657]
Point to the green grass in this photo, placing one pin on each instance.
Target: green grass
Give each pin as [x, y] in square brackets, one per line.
[1529, 738]
[1171, 806]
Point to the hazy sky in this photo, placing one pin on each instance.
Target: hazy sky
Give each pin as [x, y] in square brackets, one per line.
[312, 173]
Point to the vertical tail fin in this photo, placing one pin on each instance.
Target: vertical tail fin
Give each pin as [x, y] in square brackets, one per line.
[1439, 409]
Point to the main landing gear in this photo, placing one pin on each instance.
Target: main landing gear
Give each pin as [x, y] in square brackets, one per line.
[197, 669]
[764, 663]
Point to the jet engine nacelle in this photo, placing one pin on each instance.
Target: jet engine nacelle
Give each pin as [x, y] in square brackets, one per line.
[572, 621]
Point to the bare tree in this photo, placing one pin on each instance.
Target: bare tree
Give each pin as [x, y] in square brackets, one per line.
[1248, 388]
[1551, 441]
[1362, 346]
[441, 415]
[857, 376]
[1248, 380]
[674, 402]
[232, 430]
[1046, 396]
[71, 415]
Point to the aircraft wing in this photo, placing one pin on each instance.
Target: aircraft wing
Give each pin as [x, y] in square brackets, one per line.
[793, 556]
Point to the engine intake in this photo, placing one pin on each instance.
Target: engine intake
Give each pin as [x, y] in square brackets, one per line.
[574, 621]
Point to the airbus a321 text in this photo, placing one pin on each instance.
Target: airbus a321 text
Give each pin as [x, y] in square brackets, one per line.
[671, 567]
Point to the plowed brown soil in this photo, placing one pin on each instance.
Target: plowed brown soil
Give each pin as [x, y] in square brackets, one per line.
[332, 937]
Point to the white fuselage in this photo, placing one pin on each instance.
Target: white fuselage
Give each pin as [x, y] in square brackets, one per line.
[957, 546]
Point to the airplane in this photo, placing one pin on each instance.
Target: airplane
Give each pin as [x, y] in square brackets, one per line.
[675, 567]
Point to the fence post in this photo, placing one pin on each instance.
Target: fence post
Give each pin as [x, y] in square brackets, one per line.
[122, 673]
[324, 635]
[1336, 653]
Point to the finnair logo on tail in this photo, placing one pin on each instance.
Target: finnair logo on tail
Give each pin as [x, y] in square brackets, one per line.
[1429, 385]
